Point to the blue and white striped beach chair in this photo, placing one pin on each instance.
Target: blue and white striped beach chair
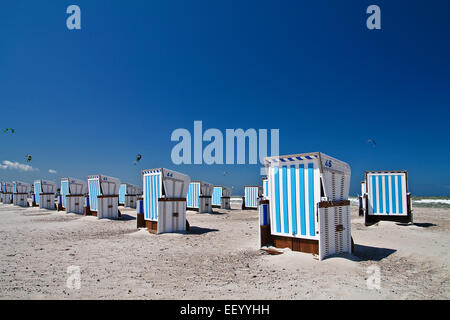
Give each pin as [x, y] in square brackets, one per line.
[385, 197]
[164, 203]
[104, 196]
[199, 197]
[73, 192]
[45, 192]
[252, 194]
[20, 193]
[221, 197]
[307, 208]
[128, 194]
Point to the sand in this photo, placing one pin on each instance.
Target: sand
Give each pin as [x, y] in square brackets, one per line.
[218, 259]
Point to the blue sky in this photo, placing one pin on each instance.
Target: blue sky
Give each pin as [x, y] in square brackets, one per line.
[87, 101]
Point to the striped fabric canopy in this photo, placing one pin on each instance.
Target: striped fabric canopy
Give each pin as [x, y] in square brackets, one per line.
[64, 191]
[281, 159]
[387, 193]
[37, 190]
[295, 190]
[152, 192]
[251, 196]
[193, 194]
[217, 196]
[94, 192]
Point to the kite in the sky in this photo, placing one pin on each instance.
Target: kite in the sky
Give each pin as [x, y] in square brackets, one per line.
[138, 158]
[9, 129]
[373, 142]
[28, 157]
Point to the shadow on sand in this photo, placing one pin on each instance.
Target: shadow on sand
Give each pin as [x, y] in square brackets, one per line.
[364, 253]
[219, 213]
[417, 224]
[367, 253]
[126, 217]
[199, 230]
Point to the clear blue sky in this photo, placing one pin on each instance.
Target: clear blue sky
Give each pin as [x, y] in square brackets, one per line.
[87, 101]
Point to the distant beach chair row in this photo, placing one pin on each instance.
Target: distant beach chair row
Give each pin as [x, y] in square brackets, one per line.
[303, 202]
[161, 204]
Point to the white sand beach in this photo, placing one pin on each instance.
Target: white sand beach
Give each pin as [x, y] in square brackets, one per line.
[218, 258]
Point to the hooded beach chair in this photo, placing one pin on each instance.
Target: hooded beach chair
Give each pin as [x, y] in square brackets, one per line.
[307, 208]
[199, 197]
[385, 196]
[164, 201]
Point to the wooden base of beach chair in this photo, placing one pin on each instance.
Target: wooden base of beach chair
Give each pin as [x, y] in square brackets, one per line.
[152, 226]
[140, 220]
[267, 239]
[91, 213]
[296, 244]
[272, 250]
[266, 236]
